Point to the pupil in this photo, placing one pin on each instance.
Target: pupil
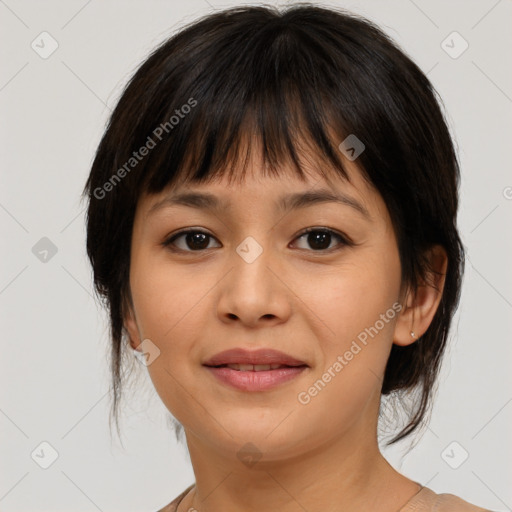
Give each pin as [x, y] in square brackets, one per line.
[196, 239]
[317, 239]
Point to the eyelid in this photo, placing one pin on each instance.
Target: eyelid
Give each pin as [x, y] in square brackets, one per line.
[344, 239]
[171, 238]
[341, 236]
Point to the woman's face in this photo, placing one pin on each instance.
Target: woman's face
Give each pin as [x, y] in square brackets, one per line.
[253, 280]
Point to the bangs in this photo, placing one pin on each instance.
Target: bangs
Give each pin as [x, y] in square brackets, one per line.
[261, 98]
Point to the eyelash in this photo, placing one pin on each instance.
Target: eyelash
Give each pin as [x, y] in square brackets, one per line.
[344, 240]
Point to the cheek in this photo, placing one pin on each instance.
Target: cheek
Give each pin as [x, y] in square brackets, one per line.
[165, 297]
[352, 297]
[358, 305]
[168, 301]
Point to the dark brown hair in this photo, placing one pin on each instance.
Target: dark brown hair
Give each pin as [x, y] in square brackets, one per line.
[283, 77]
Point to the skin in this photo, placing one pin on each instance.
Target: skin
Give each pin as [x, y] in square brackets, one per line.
[311, 304]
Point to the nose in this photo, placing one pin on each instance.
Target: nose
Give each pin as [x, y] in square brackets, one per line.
[253, 292]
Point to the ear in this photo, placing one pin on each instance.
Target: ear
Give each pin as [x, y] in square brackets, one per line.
[420, 307]
[130, 325]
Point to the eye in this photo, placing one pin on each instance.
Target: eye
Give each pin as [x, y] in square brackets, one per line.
[194, 240]
[320, 238]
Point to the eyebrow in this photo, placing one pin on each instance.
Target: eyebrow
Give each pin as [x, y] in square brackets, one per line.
[289, 202]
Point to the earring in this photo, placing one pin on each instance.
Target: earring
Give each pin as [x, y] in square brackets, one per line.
[412, 334]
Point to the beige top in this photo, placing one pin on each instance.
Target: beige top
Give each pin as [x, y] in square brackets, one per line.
[425, 500]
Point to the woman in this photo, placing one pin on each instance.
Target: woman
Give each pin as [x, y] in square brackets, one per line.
[272, 223]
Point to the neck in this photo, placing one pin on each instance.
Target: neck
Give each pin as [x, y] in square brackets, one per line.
[347, 473]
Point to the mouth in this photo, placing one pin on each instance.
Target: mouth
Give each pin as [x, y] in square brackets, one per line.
[258, 370]
[256, 367]
[255, 358]
[252, 378]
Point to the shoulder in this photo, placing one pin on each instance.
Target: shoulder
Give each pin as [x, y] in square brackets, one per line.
[173, 506]
[451, 503]
[428, 501]
[425, 501]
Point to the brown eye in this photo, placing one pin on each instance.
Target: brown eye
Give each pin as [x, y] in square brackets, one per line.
[190, 240]
[321, 239]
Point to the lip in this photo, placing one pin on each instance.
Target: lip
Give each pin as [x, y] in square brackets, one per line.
[255, 381]
[250, 380]
[259, 356]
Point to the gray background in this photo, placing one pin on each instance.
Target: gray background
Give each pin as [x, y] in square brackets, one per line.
[54, 379]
